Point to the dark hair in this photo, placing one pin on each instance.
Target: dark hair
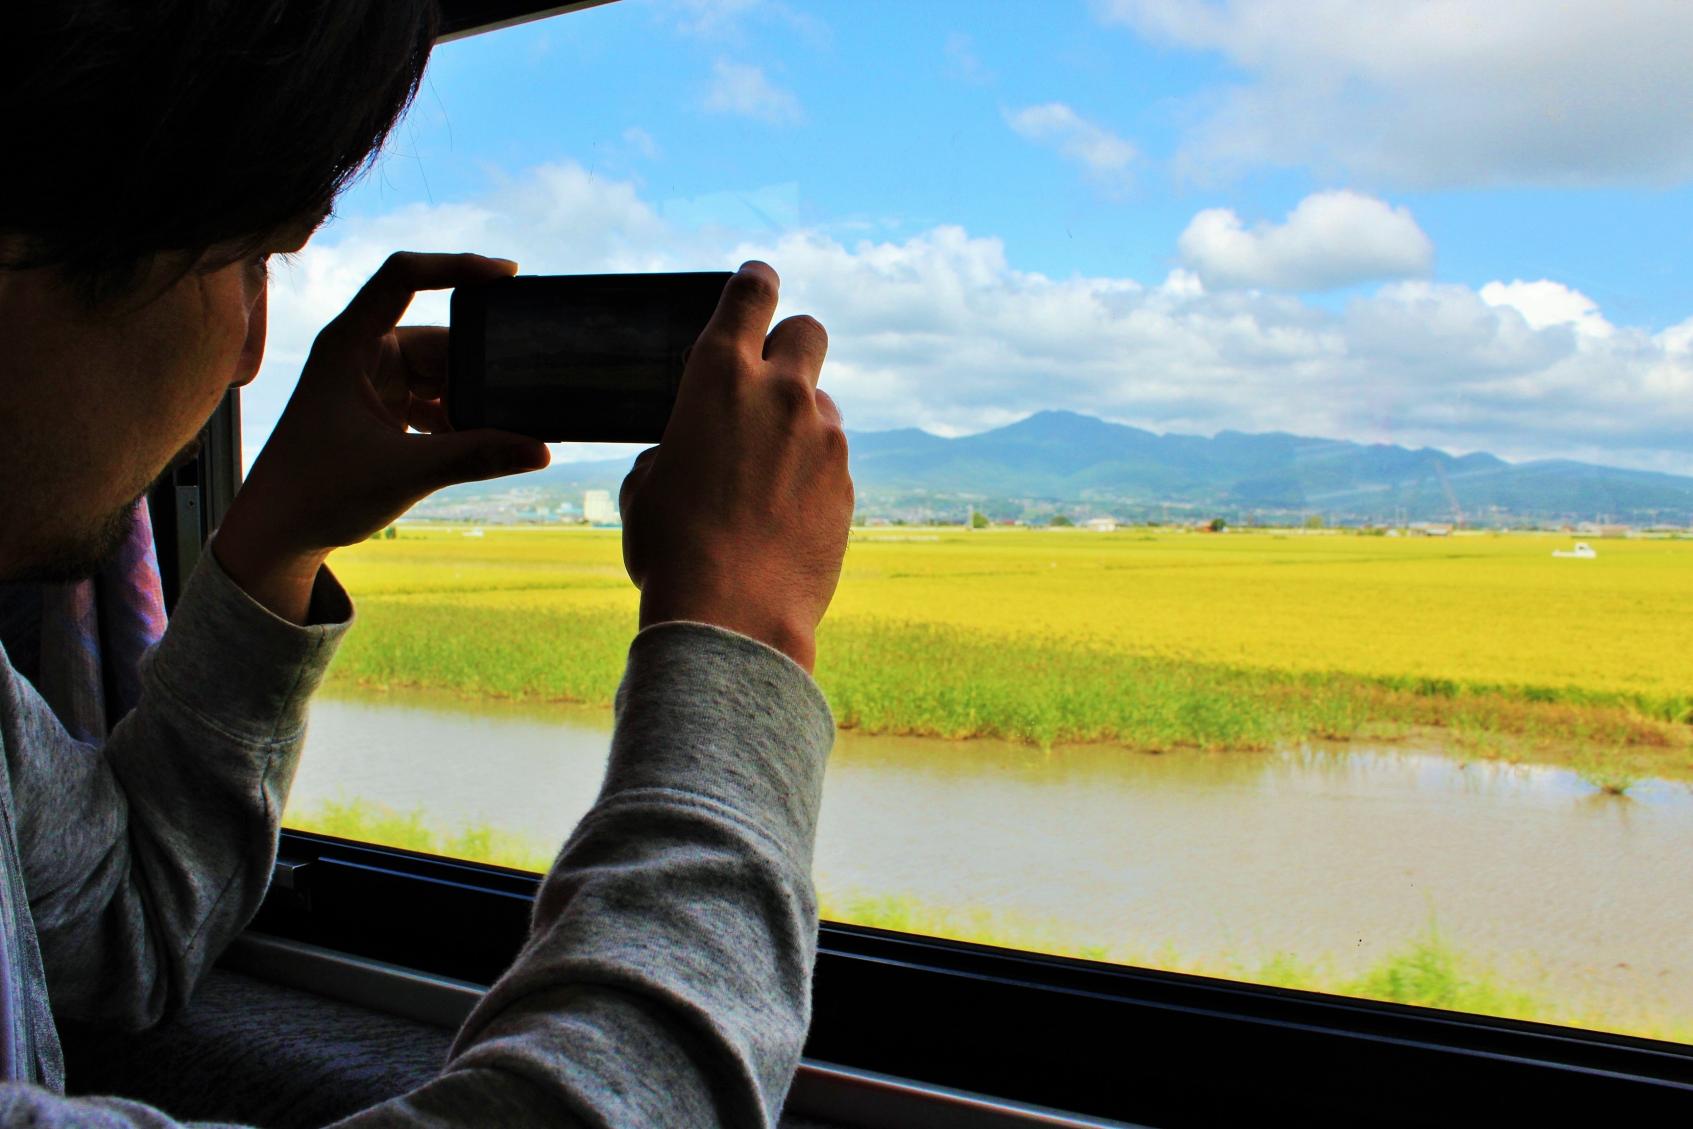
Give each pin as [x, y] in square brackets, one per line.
[129, 128]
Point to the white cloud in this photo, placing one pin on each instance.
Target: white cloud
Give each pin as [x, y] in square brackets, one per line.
[1442, 92]
[641, 142]
[728, 20]
[1330, 239]
[943, 331]
[713, 17]
[963, 63]
[744, 90]
[1106, 156]
[1546, 303]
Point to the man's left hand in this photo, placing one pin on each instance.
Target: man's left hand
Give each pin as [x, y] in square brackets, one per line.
[341, 464]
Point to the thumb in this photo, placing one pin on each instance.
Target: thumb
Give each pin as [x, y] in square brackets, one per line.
[448, 458]
[637, 475]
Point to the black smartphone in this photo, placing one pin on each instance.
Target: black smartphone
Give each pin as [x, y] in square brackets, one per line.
[592, 357]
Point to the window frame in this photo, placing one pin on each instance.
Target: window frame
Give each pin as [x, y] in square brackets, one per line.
[1100, 1040]
[1027, 1028]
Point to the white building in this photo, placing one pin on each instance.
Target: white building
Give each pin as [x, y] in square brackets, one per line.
[1102, 524]
[599, 509]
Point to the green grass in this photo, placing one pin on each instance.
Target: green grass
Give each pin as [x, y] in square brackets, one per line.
[368, 822]
[572, 656]
[925, 680]
[928, 680]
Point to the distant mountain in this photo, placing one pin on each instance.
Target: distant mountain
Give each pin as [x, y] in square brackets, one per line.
[1066, 457]
[1063, 460]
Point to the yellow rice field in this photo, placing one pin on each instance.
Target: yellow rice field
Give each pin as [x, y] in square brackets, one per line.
[1480, 608]
[1146, 639]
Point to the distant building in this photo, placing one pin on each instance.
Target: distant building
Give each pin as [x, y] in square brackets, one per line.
[599, 509]
[1431, 529]
[1102, 524]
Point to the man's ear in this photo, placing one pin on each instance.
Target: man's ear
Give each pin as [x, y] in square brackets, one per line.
[253, 349]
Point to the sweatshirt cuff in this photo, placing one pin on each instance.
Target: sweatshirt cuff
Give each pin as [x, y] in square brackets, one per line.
[714, 713]
[241, 667]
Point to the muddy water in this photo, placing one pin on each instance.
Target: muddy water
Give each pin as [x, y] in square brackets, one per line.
[1340, 856]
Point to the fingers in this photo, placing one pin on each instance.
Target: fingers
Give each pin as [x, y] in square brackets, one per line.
[452, 457]
[377, 307]
[743, 313]
[637, 475]
[423, 352]
[827, 408]
[800, 343]
[429, 416]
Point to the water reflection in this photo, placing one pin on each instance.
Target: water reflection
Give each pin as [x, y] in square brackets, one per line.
[1335, 854]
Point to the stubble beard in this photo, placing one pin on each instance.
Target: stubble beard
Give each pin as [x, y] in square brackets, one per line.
[83, 554]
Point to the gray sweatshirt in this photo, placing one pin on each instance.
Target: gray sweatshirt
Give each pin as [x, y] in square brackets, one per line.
[666, 977]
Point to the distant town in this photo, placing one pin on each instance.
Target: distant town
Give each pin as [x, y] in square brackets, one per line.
[521, 505]
[540, 506]
[1061, 469]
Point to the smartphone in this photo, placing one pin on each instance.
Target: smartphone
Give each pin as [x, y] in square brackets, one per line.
[592, 357]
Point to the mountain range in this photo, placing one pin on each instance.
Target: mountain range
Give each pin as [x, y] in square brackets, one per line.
[1057, 461]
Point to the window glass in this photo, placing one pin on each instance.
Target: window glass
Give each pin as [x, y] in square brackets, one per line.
[1274, 451]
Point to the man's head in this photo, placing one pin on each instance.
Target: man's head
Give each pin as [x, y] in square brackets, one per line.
[156, 154]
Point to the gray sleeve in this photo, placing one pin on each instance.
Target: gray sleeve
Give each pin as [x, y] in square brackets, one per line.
[33, 1107]
[144, 856]
[666, 980]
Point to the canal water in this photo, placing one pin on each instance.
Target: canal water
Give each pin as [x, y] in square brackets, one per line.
[1340, 856]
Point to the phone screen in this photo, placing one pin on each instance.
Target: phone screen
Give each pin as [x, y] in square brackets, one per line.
[597, 339]
[576, 357]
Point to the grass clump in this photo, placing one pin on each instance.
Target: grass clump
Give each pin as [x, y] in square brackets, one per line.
[1431, 973]
[368, 822]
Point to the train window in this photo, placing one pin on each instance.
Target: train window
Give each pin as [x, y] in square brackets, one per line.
[1271, 443]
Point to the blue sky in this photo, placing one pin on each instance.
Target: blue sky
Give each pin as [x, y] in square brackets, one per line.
[904, 127]
[1462, 224]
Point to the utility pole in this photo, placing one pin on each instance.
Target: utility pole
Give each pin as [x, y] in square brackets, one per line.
[1451, 498]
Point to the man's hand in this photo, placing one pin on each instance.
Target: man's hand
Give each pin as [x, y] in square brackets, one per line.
[340, 464]
[739, 517]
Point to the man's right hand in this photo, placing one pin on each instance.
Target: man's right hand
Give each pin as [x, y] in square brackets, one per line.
[739, 517]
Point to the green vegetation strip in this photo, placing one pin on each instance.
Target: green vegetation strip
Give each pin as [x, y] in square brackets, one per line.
[926, 680]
